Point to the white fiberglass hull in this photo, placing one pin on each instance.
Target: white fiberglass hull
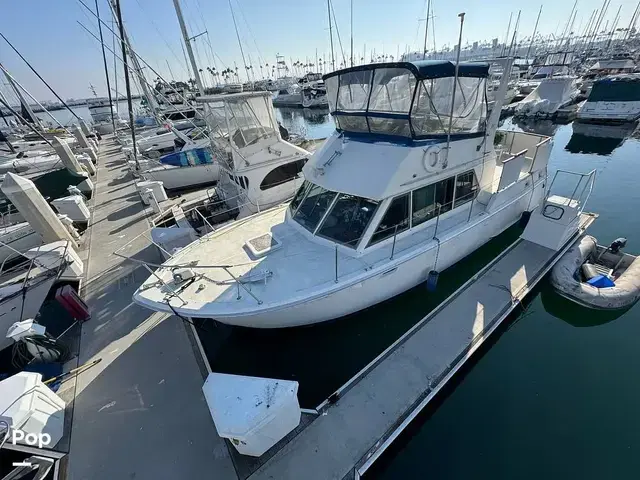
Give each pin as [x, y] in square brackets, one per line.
[17, 307]
[609, 112]
[402, 273]
[175, 178]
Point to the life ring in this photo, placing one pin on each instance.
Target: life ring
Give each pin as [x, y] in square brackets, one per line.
[431, 158]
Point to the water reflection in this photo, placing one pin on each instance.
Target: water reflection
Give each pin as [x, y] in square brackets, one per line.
[598, 139]
[574, 314]
[540, 127]
[313, 123]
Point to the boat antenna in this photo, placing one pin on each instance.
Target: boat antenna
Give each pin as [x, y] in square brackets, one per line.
[115, 65]
[453, 94]
[333, 58]
[352, 33]
[187, 42]
[235, 25]
[127, 83]
[106, 70]
[533, 36]
[38, 75]
[426, 30]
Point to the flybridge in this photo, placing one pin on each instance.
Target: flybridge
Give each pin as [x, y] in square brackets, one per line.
[410, 100]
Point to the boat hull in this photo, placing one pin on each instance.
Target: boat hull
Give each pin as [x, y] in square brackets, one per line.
[18, 307]
[175, 178]
[379, 284]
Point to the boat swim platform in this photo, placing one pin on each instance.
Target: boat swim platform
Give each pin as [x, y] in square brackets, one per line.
[362, 418]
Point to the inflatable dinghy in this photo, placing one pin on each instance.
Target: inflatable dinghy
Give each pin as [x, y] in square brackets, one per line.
[598, 277]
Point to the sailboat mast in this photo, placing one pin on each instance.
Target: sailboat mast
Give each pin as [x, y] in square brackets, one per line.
[106, 70]
[115, 65]
[187, 44]
[533, 36]
[426, 30]
[127, 83]
[333, 60]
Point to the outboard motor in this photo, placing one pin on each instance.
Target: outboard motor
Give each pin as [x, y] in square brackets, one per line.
[618, 244]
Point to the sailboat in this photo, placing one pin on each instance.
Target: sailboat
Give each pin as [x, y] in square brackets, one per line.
[402, 188]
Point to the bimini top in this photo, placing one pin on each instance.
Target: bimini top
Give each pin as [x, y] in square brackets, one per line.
[409, 101]
[425, 69]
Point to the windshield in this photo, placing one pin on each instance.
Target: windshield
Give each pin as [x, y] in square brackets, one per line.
[344, 217]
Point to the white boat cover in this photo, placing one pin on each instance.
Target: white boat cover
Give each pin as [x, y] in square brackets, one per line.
[552, 94]
[563, 277]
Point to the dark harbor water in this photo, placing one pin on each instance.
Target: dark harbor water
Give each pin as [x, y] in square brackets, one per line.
[554, 395]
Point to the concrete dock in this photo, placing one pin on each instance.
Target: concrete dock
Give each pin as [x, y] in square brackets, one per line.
[140, 413]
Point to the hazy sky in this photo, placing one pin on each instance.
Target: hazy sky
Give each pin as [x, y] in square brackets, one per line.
[48, 35]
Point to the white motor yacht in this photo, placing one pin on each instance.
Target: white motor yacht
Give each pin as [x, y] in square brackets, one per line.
[401, 189]
[104, 116]
[614, 99]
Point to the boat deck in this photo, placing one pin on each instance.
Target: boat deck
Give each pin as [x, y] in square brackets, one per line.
[140, 413]
[377, 404]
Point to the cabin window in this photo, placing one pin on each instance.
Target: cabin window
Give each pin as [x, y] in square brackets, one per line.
[313, 207]
[432, 200]
[424, 205]
[302, 191]
[395, 220]
[242, 181]
[282, 174]
[466, 187]
[348, 219]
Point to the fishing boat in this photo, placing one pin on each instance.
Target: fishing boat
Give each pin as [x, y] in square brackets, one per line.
[261, 170]
[288, 97]
[614, 99]
[103, 115]
[596, 276]
[401, 190]
[314, 95]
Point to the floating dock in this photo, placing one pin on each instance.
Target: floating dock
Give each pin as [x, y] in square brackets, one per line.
[364, 416]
